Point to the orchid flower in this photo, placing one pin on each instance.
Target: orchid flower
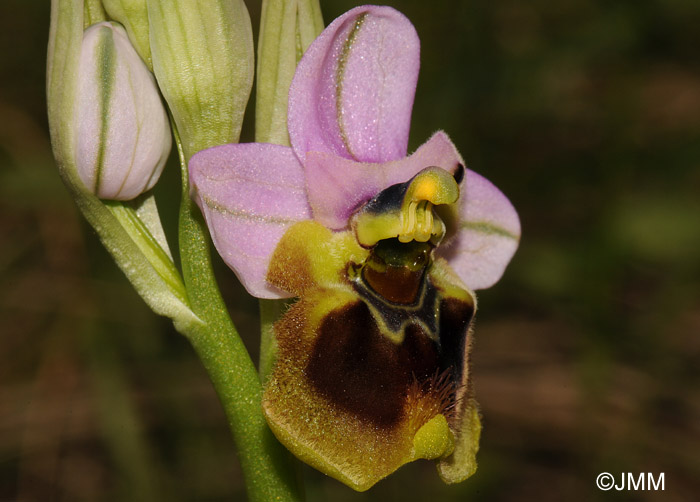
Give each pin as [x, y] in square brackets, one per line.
[382, 250]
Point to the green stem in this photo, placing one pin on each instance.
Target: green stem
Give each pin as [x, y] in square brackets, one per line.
[267, 467]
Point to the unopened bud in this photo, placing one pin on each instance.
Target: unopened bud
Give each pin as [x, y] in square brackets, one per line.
[202, 53]
[133, 15]
[123, 137]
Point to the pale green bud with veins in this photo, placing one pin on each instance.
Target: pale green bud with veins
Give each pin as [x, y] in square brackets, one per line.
[123, 136]
[202, 54]
[287, 28]
[133, 14]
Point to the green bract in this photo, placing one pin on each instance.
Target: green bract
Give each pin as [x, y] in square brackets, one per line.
[287, 28]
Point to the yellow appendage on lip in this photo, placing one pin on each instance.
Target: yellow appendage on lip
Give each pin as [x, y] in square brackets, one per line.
[434, 439]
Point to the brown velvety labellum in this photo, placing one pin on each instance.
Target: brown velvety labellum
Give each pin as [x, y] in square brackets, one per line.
[362, 371]
[455, 319]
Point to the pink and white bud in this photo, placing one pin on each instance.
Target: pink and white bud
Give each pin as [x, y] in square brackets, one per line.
[122, 132]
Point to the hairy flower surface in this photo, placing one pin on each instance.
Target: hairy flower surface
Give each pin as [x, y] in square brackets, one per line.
[381, 249]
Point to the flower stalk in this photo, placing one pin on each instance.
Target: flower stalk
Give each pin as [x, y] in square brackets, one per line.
[267, 467]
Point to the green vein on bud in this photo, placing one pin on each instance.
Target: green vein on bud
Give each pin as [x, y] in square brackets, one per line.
[106, 69]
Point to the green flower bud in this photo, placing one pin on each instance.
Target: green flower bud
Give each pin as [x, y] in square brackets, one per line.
[123, 137]
[287, 28]
[202, 54]
[133, 14]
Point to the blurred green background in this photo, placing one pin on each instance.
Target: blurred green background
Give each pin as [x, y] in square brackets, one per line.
[587, 355]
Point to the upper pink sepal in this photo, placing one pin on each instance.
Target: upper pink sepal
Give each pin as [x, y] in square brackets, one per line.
[337, 186]
[353, 89]
[488, 234]
[250, 194]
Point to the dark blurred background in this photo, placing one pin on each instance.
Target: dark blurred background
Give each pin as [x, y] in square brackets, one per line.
[587, 357]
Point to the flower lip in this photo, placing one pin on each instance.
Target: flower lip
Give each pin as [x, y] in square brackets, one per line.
[356, 391]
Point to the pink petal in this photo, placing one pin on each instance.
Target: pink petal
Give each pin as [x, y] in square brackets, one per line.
[353, 90]
[250, 194]
[488, 236]
[338, 186]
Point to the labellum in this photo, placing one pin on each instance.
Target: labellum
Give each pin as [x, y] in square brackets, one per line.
[373, 367]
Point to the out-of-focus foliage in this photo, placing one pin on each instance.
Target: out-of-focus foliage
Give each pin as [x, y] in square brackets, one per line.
[587, 356]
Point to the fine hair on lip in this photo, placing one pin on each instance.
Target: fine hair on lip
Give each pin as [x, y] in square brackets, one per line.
[428, 398]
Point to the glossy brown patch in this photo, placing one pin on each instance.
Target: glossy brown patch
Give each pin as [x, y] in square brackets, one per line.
[395, 284]
[455, 318]
[363, 372]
